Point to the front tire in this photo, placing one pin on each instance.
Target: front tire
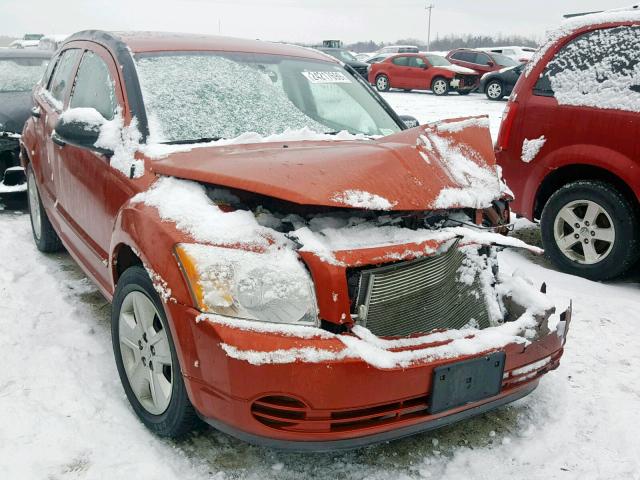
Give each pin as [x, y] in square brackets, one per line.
[44, 236]
[146, 357]
[382, 83]
[590, 229]
[494, 90]
[440, 86]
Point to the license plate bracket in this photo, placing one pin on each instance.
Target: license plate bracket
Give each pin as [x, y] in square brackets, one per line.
[468, 381]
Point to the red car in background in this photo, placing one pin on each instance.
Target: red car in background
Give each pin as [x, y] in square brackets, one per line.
[481, 62]
[418, 71]
[568, 144]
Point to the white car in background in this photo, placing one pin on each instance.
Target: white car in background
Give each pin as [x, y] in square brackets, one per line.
[30, 40]
[519, 54]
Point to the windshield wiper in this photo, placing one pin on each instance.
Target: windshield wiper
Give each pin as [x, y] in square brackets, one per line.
[196, 140]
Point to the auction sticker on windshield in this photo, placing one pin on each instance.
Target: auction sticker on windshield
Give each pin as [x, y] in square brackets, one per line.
[326, 77]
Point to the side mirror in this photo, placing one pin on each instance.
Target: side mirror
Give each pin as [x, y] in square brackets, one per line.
[424, 66]
[409, 121]
[491, 64]
[80, 127]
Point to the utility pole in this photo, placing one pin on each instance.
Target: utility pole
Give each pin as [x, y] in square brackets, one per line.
[429, 8]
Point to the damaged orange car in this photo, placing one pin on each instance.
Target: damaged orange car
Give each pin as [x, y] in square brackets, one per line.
[287, 261]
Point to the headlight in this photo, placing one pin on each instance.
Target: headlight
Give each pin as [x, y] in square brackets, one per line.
[271, 287]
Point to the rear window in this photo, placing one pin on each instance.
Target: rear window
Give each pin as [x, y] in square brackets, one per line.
[600, 68]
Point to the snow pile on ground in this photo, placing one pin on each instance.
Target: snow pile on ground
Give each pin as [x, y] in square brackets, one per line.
[531, 148]
[360, 199]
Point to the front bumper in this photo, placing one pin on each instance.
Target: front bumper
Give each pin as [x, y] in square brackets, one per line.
[329, 403]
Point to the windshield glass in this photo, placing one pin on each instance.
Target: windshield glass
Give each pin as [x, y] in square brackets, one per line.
[438, 61]
[228, 94]
[504, 61]
[20, 74]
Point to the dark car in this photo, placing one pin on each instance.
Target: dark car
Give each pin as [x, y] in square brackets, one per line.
[346, 57]
[20, 70]
[500, 83]
[481, 62]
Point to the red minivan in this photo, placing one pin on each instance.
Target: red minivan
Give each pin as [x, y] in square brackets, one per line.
[480, 62]
[569, 148]
[416, 71]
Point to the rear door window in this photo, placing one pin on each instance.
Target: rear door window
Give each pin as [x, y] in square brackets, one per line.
[94, 87]
[599, 69]
[465, 56]
[401, 61]
[62, 78]
[417, 62]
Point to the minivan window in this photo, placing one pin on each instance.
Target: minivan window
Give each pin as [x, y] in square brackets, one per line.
[62, 75]
[504, 61]
[94, 87]
[600, 68]
[231, 93]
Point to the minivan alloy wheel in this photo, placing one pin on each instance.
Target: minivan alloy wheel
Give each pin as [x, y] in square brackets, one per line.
[145, 352]
[584, 232]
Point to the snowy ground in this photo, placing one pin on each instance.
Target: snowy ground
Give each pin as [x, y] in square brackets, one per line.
[63, 413]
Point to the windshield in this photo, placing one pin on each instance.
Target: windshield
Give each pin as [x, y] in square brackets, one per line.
[228, 94]
[20, 74]
[504, 61]
[438, 61]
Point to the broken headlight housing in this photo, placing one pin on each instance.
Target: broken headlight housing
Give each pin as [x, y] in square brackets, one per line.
[270, 287]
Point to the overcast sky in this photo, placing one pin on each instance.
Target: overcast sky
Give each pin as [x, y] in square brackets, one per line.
[295, 20]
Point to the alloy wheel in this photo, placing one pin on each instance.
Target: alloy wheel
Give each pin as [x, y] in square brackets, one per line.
[494, 90]
[381, 83]
[584, 232]
[145, 351]
[439, 87]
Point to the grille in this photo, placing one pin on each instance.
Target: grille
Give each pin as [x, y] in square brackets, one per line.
[419, 296]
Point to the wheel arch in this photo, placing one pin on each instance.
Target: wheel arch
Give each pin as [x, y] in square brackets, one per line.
[579, 171]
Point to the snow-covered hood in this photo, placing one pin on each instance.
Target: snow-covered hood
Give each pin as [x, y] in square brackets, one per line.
[459, 69]
[448, 164]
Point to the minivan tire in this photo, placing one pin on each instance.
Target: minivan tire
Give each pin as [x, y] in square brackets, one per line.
[179, 417]
[44, 236]
[617, 213]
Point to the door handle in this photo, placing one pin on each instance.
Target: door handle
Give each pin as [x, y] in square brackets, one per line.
[35, 112]
[57, 140]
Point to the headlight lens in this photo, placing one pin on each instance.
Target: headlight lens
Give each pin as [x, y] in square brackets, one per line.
[271, 287]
